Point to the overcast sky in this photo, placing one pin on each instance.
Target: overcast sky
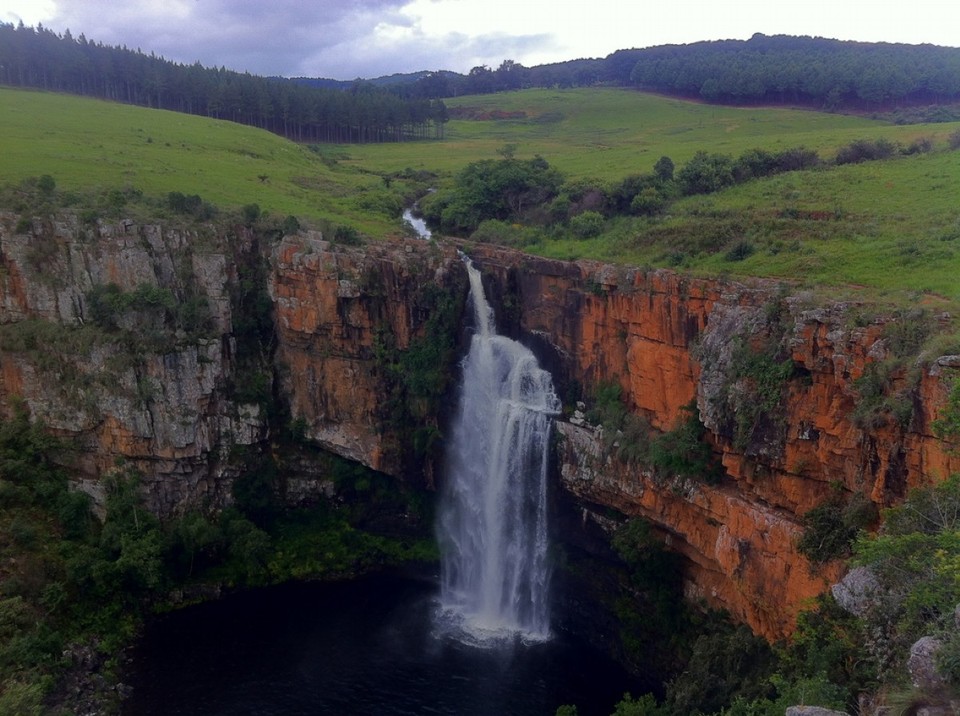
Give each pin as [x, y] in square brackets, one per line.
[346, 39]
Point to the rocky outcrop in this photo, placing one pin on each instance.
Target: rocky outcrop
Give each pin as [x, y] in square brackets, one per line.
[922, 664]
[813, 711]
[671, 341]
[858, 591]
[339, 316]
[186, 405]
[144, 394]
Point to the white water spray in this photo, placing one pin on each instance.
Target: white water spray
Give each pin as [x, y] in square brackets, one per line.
[492, 525]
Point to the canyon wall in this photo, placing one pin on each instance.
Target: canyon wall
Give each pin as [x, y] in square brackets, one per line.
[355, 352]
[670, 342]
[296, 334]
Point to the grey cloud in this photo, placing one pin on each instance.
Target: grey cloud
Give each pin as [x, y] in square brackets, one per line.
[271, 38]
[451, 52]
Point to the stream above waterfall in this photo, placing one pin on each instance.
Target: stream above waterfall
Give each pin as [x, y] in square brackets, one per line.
[417, 224]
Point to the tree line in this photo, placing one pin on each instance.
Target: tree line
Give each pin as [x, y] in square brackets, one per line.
[809, 71]
[802, 70]
[43, 59]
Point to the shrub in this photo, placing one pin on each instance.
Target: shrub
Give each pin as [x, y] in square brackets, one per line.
[754, 163]
[646, 705]
[953, 141]
[830, 528]
[347, 235]
[683, 451]
[706, 173]
[947, 424]
[739, 251]
[915, 558]
[250, 213]
[291, 225]
[728, 661]
[502, 233]
[190, 204]
[664, 169]
[46, 185]
[648, 202]
[587, 225]
[864, 150]
[906, 334]
[797, 159]
[922, 145]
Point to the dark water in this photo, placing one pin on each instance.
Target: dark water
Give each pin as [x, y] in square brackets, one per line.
[366, 647]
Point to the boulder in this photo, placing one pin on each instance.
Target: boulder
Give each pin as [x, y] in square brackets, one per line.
[856, 592]
[922, 664]
[813, 711]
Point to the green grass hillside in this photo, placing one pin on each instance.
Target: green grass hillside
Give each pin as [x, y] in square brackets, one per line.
[88, 145]
[885, 228]
[893, 226]
[601, 133]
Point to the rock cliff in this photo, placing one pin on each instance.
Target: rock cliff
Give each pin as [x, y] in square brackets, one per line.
[355, 350]
[670, 340]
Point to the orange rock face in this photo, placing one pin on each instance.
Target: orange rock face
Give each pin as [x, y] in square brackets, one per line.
[669, 340]
[336, 311]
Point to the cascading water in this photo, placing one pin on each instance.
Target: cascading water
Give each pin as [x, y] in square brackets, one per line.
[492, 523]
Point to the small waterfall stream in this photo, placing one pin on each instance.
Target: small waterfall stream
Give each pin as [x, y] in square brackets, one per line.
[416, 223]
[492, 521]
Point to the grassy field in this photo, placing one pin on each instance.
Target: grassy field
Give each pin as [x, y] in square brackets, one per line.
[894, 227]
[88, 144]
[609, 133]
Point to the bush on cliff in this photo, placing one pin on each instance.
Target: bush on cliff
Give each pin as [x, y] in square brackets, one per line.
[830, 528]
[916, 559]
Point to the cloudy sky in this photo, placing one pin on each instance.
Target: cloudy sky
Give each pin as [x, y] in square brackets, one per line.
[345, 39]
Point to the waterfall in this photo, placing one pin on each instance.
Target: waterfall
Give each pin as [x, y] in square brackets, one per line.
[492, 521]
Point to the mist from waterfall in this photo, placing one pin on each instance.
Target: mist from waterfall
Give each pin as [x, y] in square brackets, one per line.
[492, 523]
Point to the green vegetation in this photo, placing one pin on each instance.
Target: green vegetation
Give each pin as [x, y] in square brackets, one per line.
[830, 227]
[419, 378]
[681, 451]
[718, 667]
[104, 157]
[830, 529]
[947, 425]
[604, 134]
[492, 190]
[151, 313]
[915, 557]
[785, 208]
[834, 656]
[71, 581]
[816, 71]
